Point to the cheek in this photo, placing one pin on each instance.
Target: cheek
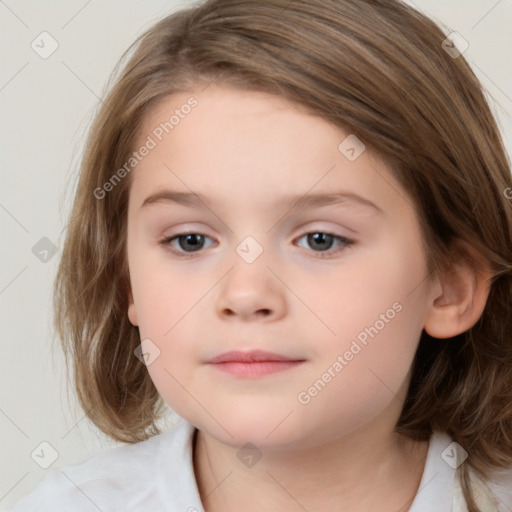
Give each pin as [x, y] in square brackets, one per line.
[375, 294]
[170, 383]
[163, 294]
[167, 302]
[378, 318]
[164, 311]
[168, 325]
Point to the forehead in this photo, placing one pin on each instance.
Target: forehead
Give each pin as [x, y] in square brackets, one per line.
[252, 145]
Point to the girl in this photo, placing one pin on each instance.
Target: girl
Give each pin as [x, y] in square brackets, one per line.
[372, 373]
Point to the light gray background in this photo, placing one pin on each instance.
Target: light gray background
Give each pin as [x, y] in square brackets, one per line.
[46, 107]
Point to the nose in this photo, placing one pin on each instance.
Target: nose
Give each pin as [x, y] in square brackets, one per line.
[251, 292]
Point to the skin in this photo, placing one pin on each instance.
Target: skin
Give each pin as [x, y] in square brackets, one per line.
[246, 151]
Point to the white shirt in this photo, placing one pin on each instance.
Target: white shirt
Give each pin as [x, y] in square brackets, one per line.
[157, 475]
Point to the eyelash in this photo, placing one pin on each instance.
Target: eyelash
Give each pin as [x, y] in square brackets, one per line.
[166, 242]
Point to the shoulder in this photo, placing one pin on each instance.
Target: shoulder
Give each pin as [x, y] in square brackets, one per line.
[131, 474]
[491, 495]
[500, 487]
[440, 487]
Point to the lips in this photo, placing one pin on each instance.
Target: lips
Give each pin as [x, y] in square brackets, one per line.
[252, 365]
[254, 356]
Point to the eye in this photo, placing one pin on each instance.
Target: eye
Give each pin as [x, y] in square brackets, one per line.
[191, 243]
[185, 241]
[324, 242]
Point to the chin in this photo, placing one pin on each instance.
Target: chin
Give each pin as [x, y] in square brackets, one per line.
[264, 430]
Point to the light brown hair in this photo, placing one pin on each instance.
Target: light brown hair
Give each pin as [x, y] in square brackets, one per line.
[375, 68]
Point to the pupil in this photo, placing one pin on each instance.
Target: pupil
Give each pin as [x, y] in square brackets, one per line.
[320, 239]
[190, 240]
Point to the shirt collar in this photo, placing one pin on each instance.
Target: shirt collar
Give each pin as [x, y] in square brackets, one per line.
[438, 490]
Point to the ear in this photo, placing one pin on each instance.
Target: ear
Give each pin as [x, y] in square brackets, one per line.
[132, 313]
[459, 300]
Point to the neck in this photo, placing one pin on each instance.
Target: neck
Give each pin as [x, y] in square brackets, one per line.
[362, 471]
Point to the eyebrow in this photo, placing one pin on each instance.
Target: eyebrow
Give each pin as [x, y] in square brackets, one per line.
[306, 201]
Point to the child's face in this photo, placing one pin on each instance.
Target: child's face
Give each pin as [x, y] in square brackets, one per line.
[354, 316]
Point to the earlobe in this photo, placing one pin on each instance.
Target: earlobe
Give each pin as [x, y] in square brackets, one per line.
[132, 313]
[461, 302]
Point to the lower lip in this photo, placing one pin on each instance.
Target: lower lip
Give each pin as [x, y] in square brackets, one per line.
[256, 369]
